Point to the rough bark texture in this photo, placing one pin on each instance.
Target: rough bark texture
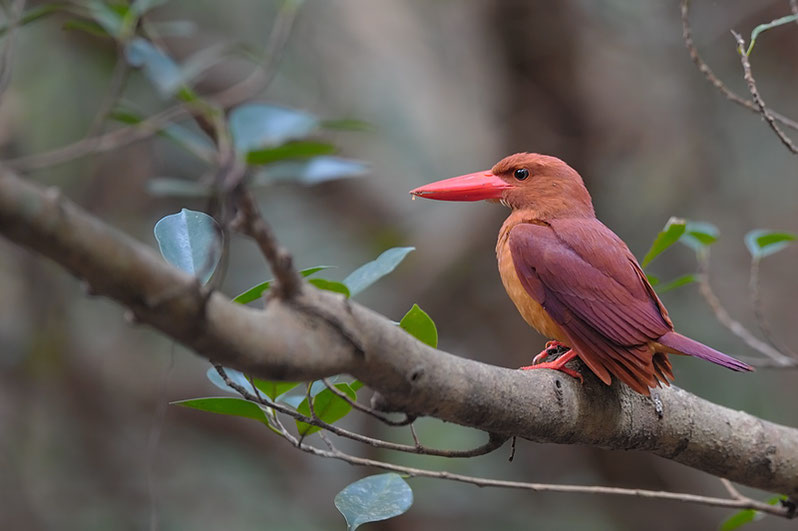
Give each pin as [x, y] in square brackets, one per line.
[321, 334]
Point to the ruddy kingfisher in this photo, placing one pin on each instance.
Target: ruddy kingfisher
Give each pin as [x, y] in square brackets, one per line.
[571, 278]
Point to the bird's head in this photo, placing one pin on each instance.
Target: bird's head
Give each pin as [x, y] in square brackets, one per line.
[540, 183]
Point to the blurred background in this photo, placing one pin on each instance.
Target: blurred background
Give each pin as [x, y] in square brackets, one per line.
[448, 86]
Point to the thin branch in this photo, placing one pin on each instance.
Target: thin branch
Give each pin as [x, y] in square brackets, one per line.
[759, 314]
[687, 35]
[734, 326]
[14, 16]
[746, 503]
[241, 91]
[493, 443]
[368, 410]
[760, 103]
[732, 490]
[116, 85]
[288, 282]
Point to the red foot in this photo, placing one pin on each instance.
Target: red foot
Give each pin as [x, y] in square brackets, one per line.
[551, 345]
[558, 365]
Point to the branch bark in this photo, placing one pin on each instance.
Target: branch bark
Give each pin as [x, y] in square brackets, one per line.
[288, 340]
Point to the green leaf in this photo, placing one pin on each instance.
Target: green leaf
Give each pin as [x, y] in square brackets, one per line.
[356, 385]
[347, 124]
[235, 376]
[256, 126]
[255, 292]
[374, 498]
[418, 324]
[289, 150]
[738, 519]
[371, 272]
[331, 285]
[86, 26]
[141, 7]
[272, 388]
[764, 27]
[313, 171]
[699, 235]
[159, 68]
[762, 243]
[652, 279]
[669, 235]
[226, 405]
[746, 516]
[328, 407]
[189, 240]
[35, 13]
[677, 283]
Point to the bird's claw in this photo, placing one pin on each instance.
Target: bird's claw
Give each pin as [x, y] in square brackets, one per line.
[570, 372]
[549, 349]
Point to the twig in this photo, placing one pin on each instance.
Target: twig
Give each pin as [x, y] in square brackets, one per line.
[334, 453]
[288, 282]
[732, 490]
[494, 441]
[368, 410]
[14, 15]
[759, 314]
[241, 91]
[687, 35]
[115, 87]
[760, 103]
[735, 327]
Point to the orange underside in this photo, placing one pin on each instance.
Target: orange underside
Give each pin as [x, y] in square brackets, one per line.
[646, 367]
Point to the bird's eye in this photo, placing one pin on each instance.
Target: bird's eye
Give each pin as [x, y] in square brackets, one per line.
[521, 174]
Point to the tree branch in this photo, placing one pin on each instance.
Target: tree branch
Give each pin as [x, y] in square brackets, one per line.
[284, 341]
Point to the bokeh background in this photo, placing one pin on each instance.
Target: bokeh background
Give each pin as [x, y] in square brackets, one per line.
[449, 86]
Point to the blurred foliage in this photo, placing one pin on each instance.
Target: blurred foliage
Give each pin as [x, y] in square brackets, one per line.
[427, 90]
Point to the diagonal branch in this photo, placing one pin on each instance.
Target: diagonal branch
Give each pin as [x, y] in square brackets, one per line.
[284, 342]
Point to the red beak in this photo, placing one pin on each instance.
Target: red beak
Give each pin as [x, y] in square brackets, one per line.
[472, 187]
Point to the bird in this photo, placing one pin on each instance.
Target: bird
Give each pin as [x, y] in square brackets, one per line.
[572, 279]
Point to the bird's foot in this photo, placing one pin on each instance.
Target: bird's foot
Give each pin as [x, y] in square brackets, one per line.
[558, 365]
[551, 348]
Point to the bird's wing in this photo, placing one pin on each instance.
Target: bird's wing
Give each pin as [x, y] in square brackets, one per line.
[589, 282]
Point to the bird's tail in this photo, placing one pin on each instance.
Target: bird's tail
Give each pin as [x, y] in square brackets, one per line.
[684, 345]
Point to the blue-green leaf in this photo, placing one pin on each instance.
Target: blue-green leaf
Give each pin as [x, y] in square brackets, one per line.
[189, 240]
[256, 126]
[762, 243]
[159, 68]
[330, 285]
[226, 405]
[374, 498]
[312, 171]
[235, 376]
[699, 235]
[669, 235]
[764, 27]
[328, 407]
[111, 18]
[193, 142]
[255, 292]
[418, 324]
[369, 273]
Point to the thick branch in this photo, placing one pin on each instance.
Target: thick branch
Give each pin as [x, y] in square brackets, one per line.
[285, 341]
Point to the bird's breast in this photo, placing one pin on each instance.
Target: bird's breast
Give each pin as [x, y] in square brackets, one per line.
[532, 311]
